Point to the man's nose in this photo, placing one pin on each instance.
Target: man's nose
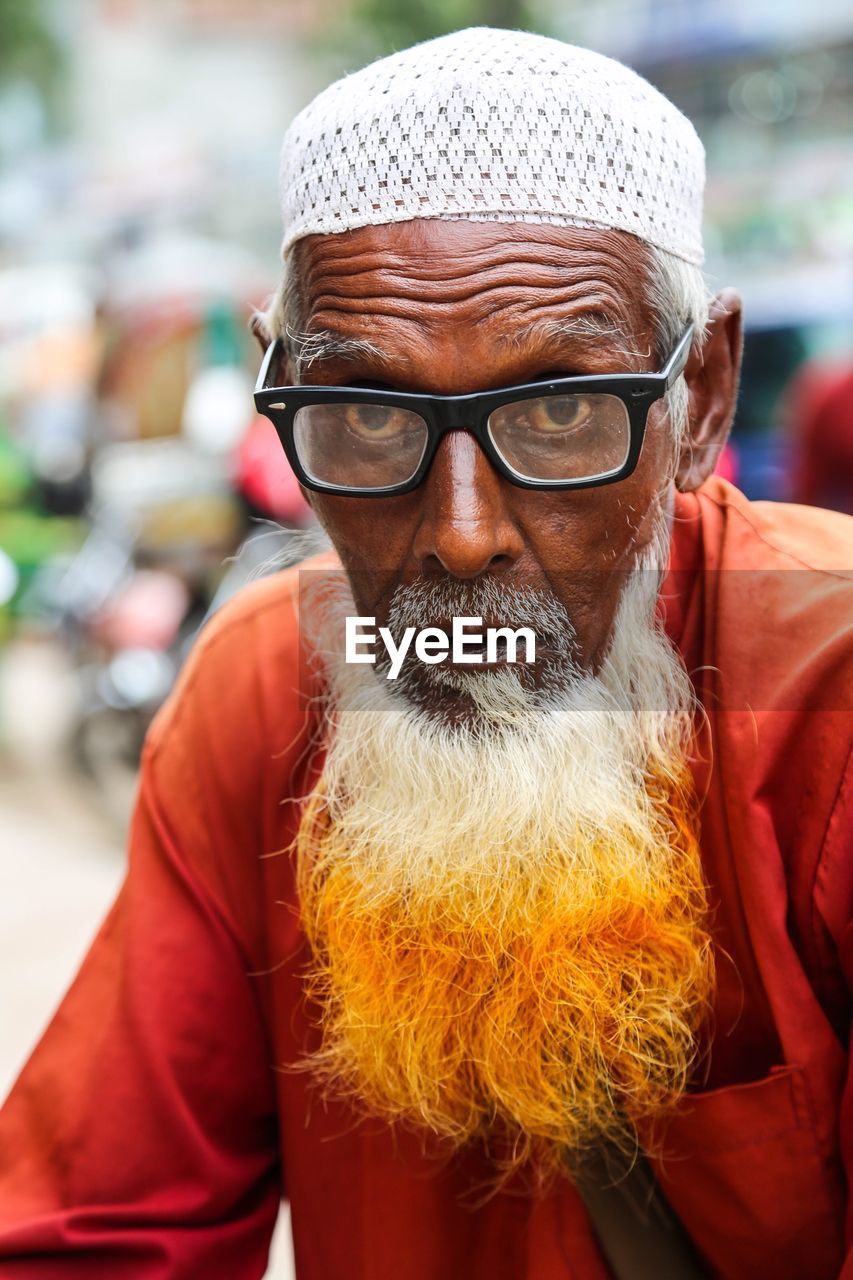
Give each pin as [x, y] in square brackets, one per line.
[465, 525]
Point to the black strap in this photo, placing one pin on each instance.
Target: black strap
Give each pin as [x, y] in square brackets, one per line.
[639, 1235]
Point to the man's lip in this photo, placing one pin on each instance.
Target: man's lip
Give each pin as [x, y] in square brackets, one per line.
[479, 663]
[487, 624]
[544, 654]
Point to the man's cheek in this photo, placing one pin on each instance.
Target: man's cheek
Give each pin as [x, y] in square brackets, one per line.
[372, 588]
[367, 535]
[594, 618]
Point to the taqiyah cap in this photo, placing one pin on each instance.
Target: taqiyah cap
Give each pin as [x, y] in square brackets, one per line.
[495, 125]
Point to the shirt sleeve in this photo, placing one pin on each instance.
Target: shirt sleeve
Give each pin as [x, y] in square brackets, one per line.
[140, 1139]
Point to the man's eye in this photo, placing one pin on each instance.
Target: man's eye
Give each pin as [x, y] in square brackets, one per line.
[374, 421]
[555, 414]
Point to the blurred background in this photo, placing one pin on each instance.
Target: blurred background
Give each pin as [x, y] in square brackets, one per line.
[138, 228]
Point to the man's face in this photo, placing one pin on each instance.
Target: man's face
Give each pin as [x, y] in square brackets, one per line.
[507, 923]
[458, 307]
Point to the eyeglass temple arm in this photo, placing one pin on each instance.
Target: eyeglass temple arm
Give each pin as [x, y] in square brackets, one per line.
[677, 361]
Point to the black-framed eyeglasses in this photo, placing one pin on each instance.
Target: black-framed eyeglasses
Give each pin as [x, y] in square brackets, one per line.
[570, 433]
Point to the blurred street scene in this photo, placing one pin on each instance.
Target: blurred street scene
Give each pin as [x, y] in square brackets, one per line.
[139, 227]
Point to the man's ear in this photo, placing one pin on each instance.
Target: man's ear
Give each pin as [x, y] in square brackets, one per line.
[284, 377]
[711, 375]
[258, 326]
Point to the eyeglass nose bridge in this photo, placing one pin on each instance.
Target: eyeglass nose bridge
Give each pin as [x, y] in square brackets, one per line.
[452, 417]
[457, 415]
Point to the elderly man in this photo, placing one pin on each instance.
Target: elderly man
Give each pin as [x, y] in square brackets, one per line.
[420, 952]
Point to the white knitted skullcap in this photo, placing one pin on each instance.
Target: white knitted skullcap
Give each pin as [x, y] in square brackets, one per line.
[494, 125]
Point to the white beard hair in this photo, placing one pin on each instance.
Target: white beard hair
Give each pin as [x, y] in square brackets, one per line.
[425, 804]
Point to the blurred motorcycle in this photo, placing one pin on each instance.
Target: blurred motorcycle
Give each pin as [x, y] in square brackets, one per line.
[129, 603]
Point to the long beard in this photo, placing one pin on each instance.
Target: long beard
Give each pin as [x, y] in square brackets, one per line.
[507, 920]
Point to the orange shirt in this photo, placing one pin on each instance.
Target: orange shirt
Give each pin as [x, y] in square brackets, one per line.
[156, 1125]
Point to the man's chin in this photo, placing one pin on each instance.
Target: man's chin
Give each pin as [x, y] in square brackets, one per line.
[444, 702]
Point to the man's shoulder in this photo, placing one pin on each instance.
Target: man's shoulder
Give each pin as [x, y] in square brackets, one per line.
[778, 601]
[245, 680]
[775, 666]
[269, 608]
[765, 536]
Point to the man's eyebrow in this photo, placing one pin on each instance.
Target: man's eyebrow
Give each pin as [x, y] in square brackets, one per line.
[306, 349]
[584, 327]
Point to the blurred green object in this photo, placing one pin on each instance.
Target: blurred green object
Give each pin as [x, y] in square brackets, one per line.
[29, 539]
[15, 475]
[396, 25]
[29, 49]
[377, 27]
[9, 583]
[223, 340]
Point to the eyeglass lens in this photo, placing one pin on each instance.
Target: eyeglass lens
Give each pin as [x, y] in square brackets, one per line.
[550, 438]
[359, 446]
[562, 437]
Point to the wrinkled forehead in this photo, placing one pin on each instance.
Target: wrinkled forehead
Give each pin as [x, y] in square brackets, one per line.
[444, 275]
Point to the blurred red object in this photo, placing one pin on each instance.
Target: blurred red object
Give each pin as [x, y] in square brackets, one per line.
[145, 614]
[820, 416]
[727, 464]
[265, 478]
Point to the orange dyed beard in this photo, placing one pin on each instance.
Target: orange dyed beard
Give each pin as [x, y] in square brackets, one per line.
[545, 1010]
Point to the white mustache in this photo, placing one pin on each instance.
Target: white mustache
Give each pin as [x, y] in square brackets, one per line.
[436, 603]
